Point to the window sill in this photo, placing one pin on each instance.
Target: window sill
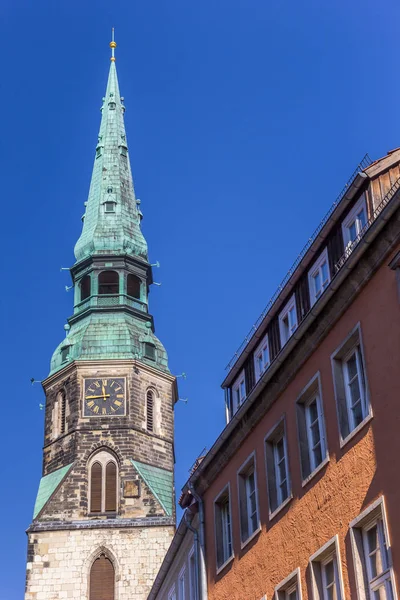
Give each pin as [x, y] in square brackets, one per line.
[249, 539]
[225, 564]
[316, 471]
[367, 419]
[102, 515]
[280, 507]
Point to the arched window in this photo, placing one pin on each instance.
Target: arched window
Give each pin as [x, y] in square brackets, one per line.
[150, 410]
[133, 286]
[103, 475]
[84, 287]
[108, 282]
[102, 579]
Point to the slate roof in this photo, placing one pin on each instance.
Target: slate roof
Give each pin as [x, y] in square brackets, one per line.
[160, 482]
[47, 486]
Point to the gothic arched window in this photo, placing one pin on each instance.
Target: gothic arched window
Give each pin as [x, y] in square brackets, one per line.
[103, 480]
[84, 287]
[133, 286]
[150, 410]
[108, 282]
[102, 579]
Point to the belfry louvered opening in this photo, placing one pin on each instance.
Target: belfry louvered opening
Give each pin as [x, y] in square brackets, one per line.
[103, 475]
[108, 282]
[102, 579]
[150, 410]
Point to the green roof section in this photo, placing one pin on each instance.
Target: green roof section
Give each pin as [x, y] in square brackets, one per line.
[116, 231]
[48, 485]
[160, 482]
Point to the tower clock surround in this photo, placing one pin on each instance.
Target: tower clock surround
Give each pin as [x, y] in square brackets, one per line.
[104, 396]
[105, 508]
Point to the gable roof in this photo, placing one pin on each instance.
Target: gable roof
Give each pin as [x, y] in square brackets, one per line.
[160, 481]
[47, 486]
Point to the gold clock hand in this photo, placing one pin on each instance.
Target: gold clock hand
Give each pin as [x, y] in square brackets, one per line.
[105, 396]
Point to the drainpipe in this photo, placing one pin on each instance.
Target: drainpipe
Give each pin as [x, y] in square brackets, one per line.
[202, 557]
[196, 550]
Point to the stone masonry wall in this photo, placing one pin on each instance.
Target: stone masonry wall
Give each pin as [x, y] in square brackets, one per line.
[59, 562]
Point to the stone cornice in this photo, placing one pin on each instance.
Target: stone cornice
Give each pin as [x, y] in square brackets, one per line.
[101, 524]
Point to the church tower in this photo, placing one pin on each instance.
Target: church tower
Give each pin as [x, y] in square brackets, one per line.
[105, 514]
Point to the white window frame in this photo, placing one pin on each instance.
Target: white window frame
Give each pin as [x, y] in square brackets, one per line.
[172, 593]
[317, 269]
[192, 574]
[285, 313]
[247, 468]
[351, 218]
[356, 350]
[346, 421]
[318, 561]
[281, 481]
[182, 584]
[310, 393]
[225, 526]
[321, 431]
[261, 350]
[274, 483]
[237, 392]
[290, 584]
[371, 516]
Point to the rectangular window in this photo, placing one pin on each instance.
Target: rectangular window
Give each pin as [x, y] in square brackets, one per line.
[350, 384]
[181, 585]
[372, 558]
[192, 576]
[311, 428]
[288, 321]
[223, 527]
[261, 357]
[109, 207]
[248, 501]
[238, 392]
[326, 576]
[289, 588]
[319, 277]
[278, 480]
[355, 223]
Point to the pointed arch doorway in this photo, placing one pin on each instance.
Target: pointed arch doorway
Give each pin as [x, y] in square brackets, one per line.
[102, 579]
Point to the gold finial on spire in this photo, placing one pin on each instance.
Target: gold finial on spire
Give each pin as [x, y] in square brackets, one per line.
[113, 45]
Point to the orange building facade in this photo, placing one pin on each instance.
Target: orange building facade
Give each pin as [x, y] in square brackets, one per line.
[299, 496]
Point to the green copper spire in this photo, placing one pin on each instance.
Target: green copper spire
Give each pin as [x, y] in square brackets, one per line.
[112, 218]
[112, 274]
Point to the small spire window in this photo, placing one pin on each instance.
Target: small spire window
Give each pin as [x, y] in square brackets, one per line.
[133, 286]
[84, 287]
[109, 206]
[149, 351]
[64, 354]
[108, 282]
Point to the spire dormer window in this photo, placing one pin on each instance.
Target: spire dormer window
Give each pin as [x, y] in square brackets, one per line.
[149, 351]
[99, 151]
[109, 206]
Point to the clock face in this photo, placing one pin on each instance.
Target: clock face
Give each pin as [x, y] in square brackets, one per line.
[104, 397]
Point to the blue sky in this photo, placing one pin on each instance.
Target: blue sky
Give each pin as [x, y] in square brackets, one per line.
[244, 121]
